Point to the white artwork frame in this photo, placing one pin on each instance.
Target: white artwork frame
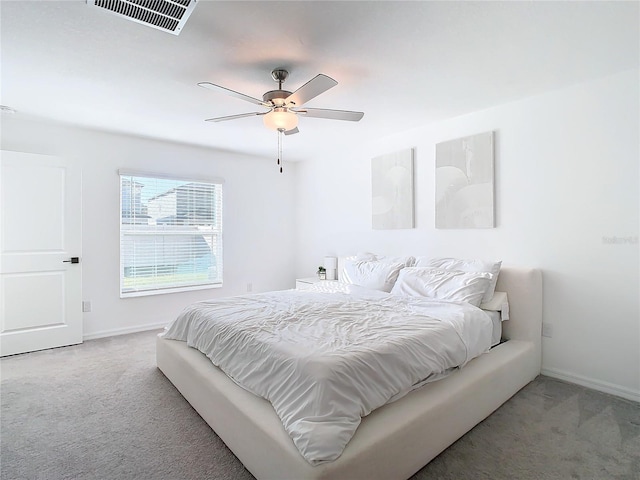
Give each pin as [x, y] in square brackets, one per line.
[465, 182]
[392, 203]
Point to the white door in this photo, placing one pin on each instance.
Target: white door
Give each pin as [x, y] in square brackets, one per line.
[40, 231]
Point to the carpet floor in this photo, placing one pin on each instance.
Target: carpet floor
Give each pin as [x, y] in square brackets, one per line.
[102, 410]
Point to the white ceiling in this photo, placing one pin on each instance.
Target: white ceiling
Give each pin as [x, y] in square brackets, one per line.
[404, 64]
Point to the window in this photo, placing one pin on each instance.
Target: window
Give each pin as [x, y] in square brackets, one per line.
[170, 234]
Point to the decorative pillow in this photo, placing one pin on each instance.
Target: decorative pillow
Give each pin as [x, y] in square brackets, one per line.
[452, 285]
[465, 266]
[499, 303]
[371, 274]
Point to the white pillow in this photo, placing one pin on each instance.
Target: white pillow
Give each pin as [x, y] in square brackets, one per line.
[371, 274]
[407, 261]
[370, 257]
[465, 266]
[364, 256]
[499, 303]
[452, 285]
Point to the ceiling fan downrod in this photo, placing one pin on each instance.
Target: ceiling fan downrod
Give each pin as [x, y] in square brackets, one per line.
[279, 75]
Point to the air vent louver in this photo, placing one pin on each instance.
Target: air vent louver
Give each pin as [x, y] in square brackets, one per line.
[167, 15]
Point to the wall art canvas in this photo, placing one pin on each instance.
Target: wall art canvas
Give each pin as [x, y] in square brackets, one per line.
[464, 182]
[392, 190]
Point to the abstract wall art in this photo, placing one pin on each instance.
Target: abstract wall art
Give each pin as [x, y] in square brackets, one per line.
[392, 190]
[464, 182]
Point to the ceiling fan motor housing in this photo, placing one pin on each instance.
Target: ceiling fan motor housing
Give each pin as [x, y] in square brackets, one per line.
[277, 97]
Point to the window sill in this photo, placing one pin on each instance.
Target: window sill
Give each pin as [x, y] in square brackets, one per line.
[162, 291]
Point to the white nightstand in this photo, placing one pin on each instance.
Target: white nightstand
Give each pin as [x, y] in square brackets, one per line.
[304, 283]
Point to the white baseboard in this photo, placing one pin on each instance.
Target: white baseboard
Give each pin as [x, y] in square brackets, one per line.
[599, 385]
[124, 331]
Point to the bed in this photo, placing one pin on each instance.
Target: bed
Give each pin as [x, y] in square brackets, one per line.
[395, 440]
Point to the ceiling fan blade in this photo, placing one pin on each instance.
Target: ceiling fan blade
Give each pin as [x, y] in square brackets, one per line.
[314, 87]
[233, 117]
[233, 93]
[330, 114]
[292, 131]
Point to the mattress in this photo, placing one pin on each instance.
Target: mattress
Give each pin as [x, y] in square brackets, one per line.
[496, 326]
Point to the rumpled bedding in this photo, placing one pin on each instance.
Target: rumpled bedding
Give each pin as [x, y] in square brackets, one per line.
[327, 356]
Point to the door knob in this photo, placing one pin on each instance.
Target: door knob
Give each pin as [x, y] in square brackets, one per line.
[72, 260]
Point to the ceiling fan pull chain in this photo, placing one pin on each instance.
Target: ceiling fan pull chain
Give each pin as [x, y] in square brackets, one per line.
[280, 148]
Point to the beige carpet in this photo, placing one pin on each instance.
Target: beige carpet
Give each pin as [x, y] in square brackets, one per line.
[102, 410]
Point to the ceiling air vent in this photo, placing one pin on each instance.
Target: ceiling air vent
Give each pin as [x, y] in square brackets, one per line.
[167, 15]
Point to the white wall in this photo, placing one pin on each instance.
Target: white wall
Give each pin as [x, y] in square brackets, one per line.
[567, 174]
[567, 166]
[258, 217]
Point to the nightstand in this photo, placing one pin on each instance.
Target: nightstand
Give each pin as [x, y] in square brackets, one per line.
[304, 283]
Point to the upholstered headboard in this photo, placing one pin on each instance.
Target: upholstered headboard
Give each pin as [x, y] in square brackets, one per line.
[524, 288]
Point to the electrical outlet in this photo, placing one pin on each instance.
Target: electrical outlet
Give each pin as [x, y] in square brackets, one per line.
[249, 287]
[86, 305]
[547, 330]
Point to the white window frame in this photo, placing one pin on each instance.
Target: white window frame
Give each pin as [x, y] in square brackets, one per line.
[214, 230]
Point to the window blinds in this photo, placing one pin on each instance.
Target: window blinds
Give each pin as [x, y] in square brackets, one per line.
[170, 234]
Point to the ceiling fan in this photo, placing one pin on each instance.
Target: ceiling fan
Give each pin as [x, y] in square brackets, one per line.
[284, 106]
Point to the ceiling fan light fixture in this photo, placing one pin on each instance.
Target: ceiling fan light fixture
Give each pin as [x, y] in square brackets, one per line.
[280, 119]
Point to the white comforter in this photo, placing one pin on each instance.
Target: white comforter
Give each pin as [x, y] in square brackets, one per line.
[327, 356]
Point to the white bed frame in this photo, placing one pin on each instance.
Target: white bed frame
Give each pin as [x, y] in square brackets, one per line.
[392, 442]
